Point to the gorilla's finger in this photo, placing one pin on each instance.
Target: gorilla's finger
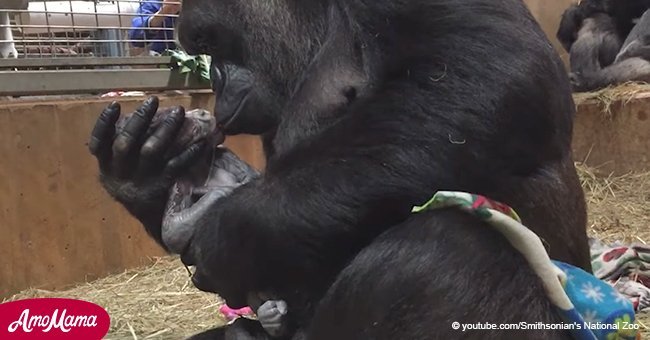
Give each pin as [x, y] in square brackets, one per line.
[153, 150]
[131, 135]
[179, 163]
[101, 138]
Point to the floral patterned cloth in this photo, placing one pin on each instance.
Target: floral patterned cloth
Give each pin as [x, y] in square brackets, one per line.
[627, 268]
[597, 309]
[580, 298]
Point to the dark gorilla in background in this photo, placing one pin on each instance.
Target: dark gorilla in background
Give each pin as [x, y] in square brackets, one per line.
[605, 45]
[622, 13]
[374, 106]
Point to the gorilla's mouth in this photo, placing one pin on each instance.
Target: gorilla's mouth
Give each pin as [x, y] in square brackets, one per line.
[223, 125]
[231, 93]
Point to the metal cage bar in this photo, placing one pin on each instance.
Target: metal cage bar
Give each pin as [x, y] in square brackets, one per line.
[91, 45]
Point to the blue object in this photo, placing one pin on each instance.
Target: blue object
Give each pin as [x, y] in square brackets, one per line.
[146, 10]
[599, 310]
[590, 309]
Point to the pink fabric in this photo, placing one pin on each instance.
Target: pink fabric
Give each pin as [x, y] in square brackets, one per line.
[231, 314]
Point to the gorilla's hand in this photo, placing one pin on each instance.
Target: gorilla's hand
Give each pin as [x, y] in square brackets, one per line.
[578, 81]
[135, 165]
[270, 315]
[574, 79]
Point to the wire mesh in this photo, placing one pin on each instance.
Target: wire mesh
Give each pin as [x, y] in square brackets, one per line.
[52, 47]
[82, 28]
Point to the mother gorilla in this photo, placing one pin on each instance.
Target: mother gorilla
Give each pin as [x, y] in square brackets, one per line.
[375, 105]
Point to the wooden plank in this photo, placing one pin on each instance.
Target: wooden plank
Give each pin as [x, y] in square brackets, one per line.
[83, 61]
[15, 4]
[10, 273]
[17, 83]
[33, 166]
[615, 142]
[59, 226]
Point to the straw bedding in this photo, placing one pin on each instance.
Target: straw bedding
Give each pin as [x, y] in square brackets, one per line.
[613, 96]
[619, 210]
[159, 301]
[152, 302]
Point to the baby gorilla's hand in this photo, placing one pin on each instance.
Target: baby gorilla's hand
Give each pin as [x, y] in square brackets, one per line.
[270, 315]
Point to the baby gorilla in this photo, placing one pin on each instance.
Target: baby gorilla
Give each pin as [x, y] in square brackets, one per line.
[195, 191]
[191, 192]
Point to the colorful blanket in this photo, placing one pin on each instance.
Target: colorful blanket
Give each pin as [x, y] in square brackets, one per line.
[602, 304]
[627, 268]
[580, 298]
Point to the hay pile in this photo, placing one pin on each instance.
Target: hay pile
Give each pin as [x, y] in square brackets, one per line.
[619, 210]
[619, 206]
[152, 302]
[160, 302]
[613, 95]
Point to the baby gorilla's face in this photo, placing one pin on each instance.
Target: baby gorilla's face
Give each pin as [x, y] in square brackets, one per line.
[199, 125]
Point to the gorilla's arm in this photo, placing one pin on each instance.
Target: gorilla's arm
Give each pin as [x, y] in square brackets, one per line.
[637, 43]
[631, 64]
[632, 69]
[390, 151]
[597, 45]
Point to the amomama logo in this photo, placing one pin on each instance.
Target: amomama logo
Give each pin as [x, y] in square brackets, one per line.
[53, 318]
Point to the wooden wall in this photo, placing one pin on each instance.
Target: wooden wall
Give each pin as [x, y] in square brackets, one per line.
[615, 141]
[57, 224]
[548, 14]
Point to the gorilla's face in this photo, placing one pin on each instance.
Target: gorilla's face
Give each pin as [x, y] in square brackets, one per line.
[269, 39]
[212, 27]
[242, 106]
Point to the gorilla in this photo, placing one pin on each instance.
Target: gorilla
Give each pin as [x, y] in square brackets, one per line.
[204, 182]
[637, 43]
[605, 46]
[366, 109]
[622, 13]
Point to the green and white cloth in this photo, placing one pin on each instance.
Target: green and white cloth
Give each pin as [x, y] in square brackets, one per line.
[580, 298]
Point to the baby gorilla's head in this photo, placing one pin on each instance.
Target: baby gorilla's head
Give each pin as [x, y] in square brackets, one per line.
[199, 125]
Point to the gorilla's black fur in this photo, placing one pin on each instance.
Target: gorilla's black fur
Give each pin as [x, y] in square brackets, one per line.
[376, 106]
